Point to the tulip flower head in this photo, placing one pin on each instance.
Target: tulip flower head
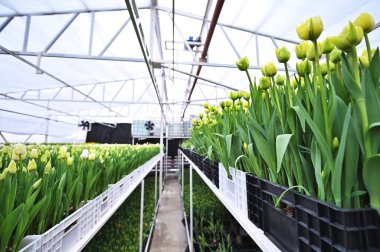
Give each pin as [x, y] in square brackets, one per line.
[243, 64]
[311, 52]
[310, 29]
[37, 184]
[270, 69]
[246, 95]
[233, 95]
[84, 154]
[303, 68]
[47, 168]
[280, 80]
[3, 175]
[323, 67]
[12, 167]
[282, 54]
[301, 50]
[33, 153]
[327, 46]
[350, 36]
[336, 56]
[32, 165]
[366, 22]
[264, 83]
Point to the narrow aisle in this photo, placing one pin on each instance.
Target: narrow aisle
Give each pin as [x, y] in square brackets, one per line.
[169, 233]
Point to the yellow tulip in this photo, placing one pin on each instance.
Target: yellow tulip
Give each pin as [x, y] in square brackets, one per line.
[365, 21]
[301, 50]
[282, 54]
[264, 83]
[327, 46]
[311, 29]
[12, 167]
[270, 69]
[336, 56]
[242, 64]
[32, 165]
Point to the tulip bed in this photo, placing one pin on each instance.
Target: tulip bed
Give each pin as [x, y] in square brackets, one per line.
[42, 184]
[122, 231]
[318, 132]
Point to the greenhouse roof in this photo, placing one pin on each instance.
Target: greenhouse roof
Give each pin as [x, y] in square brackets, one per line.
[66, 61]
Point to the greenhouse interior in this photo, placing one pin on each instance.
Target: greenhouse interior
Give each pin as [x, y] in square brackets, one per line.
[203, 125]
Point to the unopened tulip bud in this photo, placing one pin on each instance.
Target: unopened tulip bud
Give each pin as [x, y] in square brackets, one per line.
[37, 184]
[323, 67]
[311, 52]
[214, 122]
[205, 105]
[12, 167]
[34, 153]
[15, 157]
[263, 71]
[201, 115]
[303, 68]
[280, 80]
[70, 161]
[335, 143]
[283, 55]
[47, 168]
[243, 64]
[327, 46]
[364, 57]
[233, 95]
[366, 22]
[245, 147]
[301, 50]
[84, 154]
[245, 104]
[246, 95]
[240, 94]
[332, 66]
[336, 56]
[228, 103]
[3, 175]
[32, 165]
[91, 156]
[293, 83]
[310, 29]
[270, 69]
[355, 34]
[264, 83]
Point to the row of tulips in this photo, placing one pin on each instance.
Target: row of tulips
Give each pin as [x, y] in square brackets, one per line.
[42, 184]
[317, 132]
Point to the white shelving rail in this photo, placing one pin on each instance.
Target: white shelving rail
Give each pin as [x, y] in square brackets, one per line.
[76, 231]
[253, 231]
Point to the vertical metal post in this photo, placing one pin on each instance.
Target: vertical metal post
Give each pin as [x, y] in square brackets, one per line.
[141, 216]
[166, 150]
[191, 208]
[155, 185]
[161, 152]
[182, 167]
[91, 33]
[47, 124]
[26, 34]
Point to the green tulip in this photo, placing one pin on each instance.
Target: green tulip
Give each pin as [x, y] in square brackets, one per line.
[310, 29]
[280, 80]
[364, 57]
[37, 184]
[350, 36]
[336, 55]
[311, 52]
[3, 175]
[47, 168]
[293, 83]
[205, 105]
[303, 68]
[301, 50]
[365, 21]
[242, 64]
[34, 153]
[201, 115]
[69, 161]
[327, 46]
[335, 143]
[233, 95]
[246, 95]
[283, 55]
[263, 71]
[12, 167]
[270, 69]
[32, 165]
[240, 94]
[323, 68]
[265, 83]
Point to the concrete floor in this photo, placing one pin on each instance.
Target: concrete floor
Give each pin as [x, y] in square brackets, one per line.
[169, 233]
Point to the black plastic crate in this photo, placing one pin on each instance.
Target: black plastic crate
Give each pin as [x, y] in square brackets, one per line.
[303, 223]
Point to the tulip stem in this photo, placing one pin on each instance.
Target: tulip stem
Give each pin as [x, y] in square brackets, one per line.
[288, 85]
[323, 96]
[328, 67]
[368, 47]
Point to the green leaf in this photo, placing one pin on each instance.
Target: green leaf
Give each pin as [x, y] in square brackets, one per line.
[317, 163]
[374, 68]
[282, 142]
[9, 224]
[371, 175]
[337, 173]
[349, 81]
[374, 134]
[228, 142]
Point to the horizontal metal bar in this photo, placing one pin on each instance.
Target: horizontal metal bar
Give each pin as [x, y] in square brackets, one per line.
[34, 116]
[186, 14]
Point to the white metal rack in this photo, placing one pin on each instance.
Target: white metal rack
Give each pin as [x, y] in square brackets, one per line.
[252, 230]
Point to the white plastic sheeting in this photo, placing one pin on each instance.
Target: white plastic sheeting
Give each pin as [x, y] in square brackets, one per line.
[94, 67]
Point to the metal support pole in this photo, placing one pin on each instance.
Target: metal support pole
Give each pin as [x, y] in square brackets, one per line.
[191, 208]
[155, 185]
[161, 152]
[182, 168]
[141, 215]
[3, 137]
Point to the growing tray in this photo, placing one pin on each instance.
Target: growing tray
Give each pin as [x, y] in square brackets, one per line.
[304, 223]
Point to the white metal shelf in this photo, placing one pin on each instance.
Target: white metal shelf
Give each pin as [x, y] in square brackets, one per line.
[86, 239]
[253, 231]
